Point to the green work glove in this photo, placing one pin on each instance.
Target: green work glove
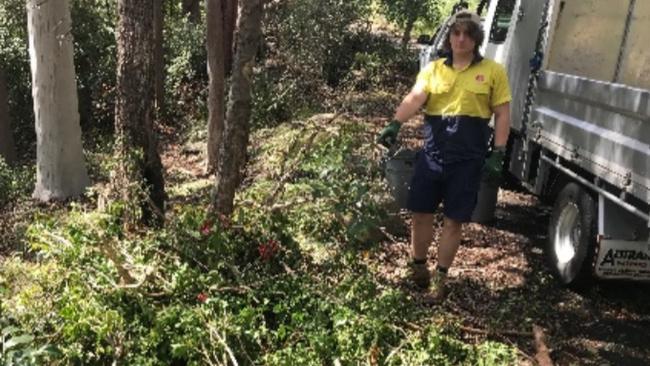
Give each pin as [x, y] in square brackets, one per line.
[493, 167]
[388, 135]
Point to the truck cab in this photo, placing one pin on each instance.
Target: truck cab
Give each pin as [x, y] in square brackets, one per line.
[579, 72]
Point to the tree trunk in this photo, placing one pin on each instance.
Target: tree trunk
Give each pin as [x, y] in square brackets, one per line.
[412, 8]
[192, 9]
[158, 58]
[229, 26]
[406, 37]
[215, 49]
[7, 148]
[60, 168]
[232, 155]
[139, 180]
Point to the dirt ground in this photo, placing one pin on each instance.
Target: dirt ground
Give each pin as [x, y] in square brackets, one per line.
[501, 287]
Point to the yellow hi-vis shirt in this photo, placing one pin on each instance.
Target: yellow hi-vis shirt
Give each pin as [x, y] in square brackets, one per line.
[459, 107]
[472, 91]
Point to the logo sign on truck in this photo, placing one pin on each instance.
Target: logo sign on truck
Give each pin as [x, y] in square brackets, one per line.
[623, 259]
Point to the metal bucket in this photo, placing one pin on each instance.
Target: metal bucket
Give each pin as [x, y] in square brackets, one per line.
[398, 170]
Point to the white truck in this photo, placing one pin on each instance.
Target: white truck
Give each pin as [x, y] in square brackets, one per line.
[580, 77]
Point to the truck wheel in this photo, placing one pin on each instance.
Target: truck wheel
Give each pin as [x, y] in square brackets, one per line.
[572, 236]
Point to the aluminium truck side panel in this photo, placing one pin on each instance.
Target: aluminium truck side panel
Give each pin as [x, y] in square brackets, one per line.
[601, 127]
[581, 111]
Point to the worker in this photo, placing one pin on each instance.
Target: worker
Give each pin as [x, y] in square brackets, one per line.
[460, 93]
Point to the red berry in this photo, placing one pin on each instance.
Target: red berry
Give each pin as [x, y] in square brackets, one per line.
[202, 297]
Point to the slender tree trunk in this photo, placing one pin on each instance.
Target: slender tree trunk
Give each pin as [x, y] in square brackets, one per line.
[215, 49]
[7, 148]
[60, 168]
[232, 155]
[229, 26]
[159, 59]
[192, 9]
[139, 179]
[406, 37]
[412, 8]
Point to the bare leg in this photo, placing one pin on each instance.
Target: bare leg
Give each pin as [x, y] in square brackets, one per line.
[449, 242]
[421, 234]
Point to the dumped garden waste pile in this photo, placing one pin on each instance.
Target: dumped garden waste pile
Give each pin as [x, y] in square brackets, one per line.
[289, 279]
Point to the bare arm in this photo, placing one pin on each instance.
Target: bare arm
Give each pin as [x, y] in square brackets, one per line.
[501, 124]
[411, 103]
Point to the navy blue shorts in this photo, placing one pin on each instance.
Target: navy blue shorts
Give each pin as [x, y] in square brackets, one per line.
[456, 185]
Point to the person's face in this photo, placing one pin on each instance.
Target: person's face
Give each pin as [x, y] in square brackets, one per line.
[460, 39]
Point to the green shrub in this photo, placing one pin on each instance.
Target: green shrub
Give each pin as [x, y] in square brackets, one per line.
[186, 68]
[303, 42]
[95, 58]
[206, 289]
[15, 182]
[14, 60]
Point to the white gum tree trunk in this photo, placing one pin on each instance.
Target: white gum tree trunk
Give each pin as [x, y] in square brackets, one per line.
[60, 170]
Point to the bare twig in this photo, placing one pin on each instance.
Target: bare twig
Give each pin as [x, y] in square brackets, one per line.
[215, 333]
[520, 351]
[495, 332]
[288, 269]
[231, 354]
[388, 235]
[237, 289]
[504, 335]
[126, 279]
[394, 351]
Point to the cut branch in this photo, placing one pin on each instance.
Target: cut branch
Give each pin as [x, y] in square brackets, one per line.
[543, 356]
[488, 332]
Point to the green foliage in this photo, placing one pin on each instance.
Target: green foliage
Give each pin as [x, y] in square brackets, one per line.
[330, 186]
[14, 182]
[317, 55]
[426, 15]
[320, 26]
[14, 60]
[304, 40]
[30, 305]
[186, 67]
[95, 57]
[377, 63]
[17, 348]
[256, 289]
[401, 12]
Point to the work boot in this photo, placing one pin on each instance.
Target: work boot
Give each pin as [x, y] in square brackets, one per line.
[438, 287]
[419, 275]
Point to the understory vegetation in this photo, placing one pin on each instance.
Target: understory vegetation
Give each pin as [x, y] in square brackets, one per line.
[282, 283]
[285, 280]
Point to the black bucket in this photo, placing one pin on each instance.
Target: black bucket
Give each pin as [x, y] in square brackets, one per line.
[486, 201]
[398, 170]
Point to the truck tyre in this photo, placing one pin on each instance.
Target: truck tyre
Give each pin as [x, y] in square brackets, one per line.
[572, 236]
